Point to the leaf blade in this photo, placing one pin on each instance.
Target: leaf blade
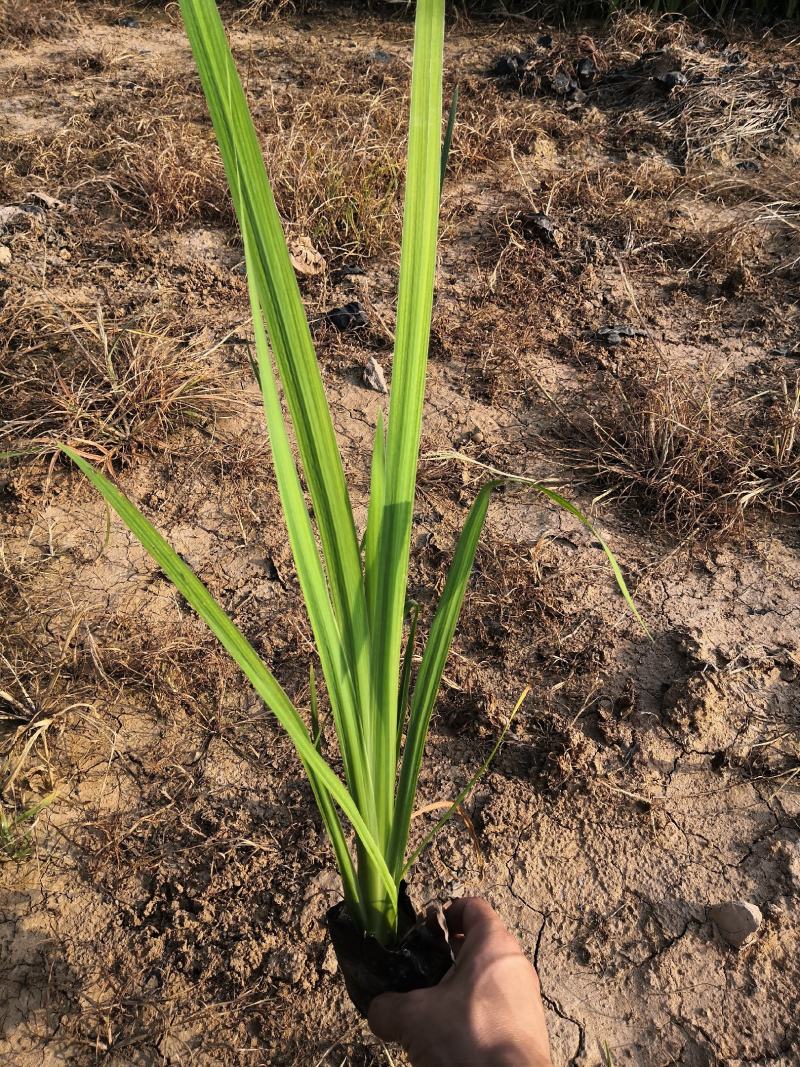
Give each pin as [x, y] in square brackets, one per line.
[287, 326]
[415, 302]
[430, 674]
[239, 648]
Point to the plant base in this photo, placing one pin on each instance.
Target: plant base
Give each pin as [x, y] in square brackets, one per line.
[420, 959]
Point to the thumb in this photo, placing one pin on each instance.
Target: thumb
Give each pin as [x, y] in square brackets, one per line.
[388, 1015]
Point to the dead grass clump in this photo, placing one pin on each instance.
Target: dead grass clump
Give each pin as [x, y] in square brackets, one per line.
[334, 157]
[689, 452]
[765, 201]
[252, 12]
[663, 441]
[68, 376]
[665, 82]
[39, 701]
[726, 109]
[22, 21]
[772, 470]
[153, 169]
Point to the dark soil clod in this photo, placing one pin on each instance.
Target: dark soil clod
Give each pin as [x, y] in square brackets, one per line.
[670, 79]
[348, 317]
[512, 67]
[562, 83]
[536, 225]
[586, 70]
[421, 959]
[611, 336]
[130, 22]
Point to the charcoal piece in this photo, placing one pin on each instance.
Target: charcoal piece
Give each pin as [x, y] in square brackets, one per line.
[348, 317]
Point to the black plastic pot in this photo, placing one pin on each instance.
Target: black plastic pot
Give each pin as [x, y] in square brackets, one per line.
[420, 959]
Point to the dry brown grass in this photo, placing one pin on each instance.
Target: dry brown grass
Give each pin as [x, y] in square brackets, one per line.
[21, 21]
[689, 452]
[68, 376]
[335, 160]
[253, 12]
[39, 702]
[153, 170]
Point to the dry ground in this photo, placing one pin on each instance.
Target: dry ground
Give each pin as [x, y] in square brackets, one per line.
[165, 875]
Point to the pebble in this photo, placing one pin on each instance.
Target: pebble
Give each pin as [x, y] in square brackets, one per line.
[329, 964]
[5, 255]
[737, 921]
[373, 376]
[8, 212]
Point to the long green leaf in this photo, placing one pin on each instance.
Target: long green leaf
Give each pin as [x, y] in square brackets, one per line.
[327, 636]
[448, 137]
[372, 536]
[289, 334]
[415, 301]
[405, 683]
[239, 648]
[430, 674]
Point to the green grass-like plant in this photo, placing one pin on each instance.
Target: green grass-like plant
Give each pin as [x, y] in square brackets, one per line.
[355, 589]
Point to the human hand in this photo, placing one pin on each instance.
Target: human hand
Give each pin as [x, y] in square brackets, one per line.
[487, 1010]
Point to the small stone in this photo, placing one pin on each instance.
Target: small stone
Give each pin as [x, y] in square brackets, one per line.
[8, 212]
[329, 964]
[348, 317]
[373, 376]
[130, 22]
[5, 255]
[737, 921]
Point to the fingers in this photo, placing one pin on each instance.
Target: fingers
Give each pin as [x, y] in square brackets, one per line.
[469, 915]
[478, 934]
[387, 1016]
